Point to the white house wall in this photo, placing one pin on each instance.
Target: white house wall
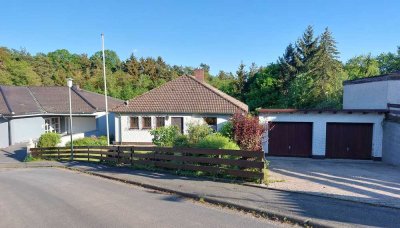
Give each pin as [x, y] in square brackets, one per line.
[124, 134]
[3, 133]
[372, 95]
[319, 127]
[24, 129]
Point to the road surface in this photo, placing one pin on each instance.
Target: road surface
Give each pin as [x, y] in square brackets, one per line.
[51, 197]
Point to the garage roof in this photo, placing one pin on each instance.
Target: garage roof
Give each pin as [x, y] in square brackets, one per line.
[305, 111]
[384, 77]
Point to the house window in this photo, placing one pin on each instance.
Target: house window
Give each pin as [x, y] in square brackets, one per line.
[134, 123]
[160, 122]
[146, 122]
[52, 125]
[212, 122]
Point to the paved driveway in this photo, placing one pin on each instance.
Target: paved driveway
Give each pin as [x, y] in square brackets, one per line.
[49, 197]
[365, 181]
[13, 154]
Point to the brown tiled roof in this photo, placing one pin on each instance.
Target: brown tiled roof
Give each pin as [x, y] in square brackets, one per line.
[23, 100]
[184, 95]
[384, 77]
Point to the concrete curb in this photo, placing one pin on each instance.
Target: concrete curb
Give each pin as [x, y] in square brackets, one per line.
[303, 221]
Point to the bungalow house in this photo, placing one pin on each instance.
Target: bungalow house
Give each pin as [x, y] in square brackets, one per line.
[368, 126]
[180, 102]
[26, 112]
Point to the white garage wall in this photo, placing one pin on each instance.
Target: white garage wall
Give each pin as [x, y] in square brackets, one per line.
[394, 91]
[124, 134]
[372, 95]
[319, 127]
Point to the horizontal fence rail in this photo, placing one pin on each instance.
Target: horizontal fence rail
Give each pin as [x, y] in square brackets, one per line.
[230, 163]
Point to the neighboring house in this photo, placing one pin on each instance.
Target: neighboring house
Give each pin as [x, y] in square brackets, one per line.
[26, 112]
[180, 102]
[367, 128]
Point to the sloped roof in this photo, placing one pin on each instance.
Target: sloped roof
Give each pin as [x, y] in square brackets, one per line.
[29, 100]
[384, 77]
[184, 95]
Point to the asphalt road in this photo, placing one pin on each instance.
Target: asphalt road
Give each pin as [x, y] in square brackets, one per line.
[50, 197]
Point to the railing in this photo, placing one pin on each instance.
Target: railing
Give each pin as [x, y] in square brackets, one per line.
[394, 109]
[225, 163]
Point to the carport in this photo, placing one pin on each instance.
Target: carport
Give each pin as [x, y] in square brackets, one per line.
[346, 134]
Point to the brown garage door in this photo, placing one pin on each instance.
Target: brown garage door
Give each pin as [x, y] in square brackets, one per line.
[349, 140]
[290, 139]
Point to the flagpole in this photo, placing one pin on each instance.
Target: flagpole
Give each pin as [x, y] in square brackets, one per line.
[105, 89]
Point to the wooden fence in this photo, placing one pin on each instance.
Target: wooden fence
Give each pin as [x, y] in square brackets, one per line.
[230, 163]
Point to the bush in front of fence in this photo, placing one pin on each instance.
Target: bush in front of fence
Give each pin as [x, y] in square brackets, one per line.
[89, 141]
[217, 141]
[50, 139]
[165, 136]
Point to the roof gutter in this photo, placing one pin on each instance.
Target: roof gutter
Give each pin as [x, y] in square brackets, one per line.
[48, 114]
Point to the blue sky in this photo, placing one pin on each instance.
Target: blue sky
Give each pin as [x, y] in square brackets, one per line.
[221, 33]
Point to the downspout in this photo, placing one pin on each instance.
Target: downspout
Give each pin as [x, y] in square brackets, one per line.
[9, 132]
[120, 128]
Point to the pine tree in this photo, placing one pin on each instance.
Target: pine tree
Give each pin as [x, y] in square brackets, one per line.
[306, 48]
[242, 76]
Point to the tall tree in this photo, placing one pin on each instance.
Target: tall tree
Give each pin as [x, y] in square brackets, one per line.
[242, 77]
[362, 66]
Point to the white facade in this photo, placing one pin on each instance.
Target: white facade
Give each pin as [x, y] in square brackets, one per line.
[21, 129]
[320, 120]
[123, 133]
[371, 95]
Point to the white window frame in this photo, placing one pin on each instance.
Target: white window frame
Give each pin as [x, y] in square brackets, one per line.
[53, 125]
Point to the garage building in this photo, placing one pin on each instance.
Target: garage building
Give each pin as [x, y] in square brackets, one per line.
[345, 134]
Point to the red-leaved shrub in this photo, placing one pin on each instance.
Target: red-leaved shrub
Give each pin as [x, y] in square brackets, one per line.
[247, 131]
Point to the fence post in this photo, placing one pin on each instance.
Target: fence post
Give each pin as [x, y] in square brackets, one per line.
[58, 153]
[132, 151]
[88, 153]
[118, 152]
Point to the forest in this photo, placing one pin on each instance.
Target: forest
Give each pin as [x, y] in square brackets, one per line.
[309, 73]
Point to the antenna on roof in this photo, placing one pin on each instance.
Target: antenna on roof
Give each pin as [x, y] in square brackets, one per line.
[105, 88]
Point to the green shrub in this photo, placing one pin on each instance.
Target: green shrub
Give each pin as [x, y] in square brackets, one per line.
[227, 130]
[50, 139]
[217, 141]
[89, 141]
[181, 141]
[165, 136]
[198, 132]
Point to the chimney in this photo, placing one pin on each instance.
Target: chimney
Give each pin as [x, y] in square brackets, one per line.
[199, 74]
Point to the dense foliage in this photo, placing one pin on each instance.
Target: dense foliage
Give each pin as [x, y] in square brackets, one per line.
[307, 75]
[50, 139]
[89, 141]
[165, 136]
[247, 132]
[227, 130]
[217, 141]
[196, 132]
